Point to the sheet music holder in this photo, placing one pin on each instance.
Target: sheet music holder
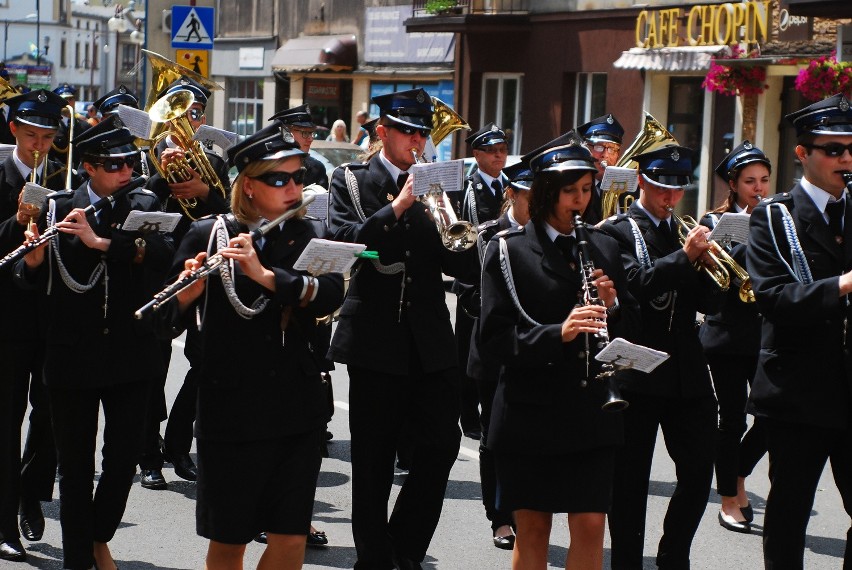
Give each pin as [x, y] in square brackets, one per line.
[619, 179]
[137, 121]
[623, 354]
[318, 209]
[437, 177]
[326, 256]
[149, 222]
[731, 227]
[208, 135]
[35, 194]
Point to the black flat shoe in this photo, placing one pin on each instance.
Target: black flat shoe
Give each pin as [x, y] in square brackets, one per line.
[505, 542]
[31, 519]
[317, 538]
[729, 523]
[153, 479]
[13, 551]
[747, 512]
[184, 467]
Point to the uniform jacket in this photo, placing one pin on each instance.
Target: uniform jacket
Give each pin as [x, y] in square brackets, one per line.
[254, 382]
[87, 345]
[315, 172]
[377, 330]
[669, 293]
[544, 387]
[803, 371]
[735, 329]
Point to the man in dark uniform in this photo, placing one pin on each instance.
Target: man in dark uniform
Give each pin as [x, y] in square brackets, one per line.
[677, 396]
[6, 91]
[192, 199]
[395, 336]
[59, 151]
[97, 353]
[603, 138]
[299, 121]
[803, 290]
[108, 104]
[25, 481]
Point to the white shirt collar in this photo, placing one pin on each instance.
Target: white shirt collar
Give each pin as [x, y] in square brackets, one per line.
[389, 166]
[488, 180]
[553, 234]
[25, 170]
[820, 197]
[654, 218]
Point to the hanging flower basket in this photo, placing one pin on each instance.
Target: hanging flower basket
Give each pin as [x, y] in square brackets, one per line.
[825, 77]
[736, 80]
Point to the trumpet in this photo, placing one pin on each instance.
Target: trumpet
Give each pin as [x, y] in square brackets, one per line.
[614, 401]
[721, 266]
[53, 230]
[213, 262]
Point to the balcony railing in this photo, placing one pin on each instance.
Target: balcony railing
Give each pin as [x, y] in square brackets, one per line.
[463, 7]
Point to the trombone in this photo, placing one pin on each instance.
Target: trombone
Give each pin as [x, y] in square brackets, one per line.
[721, 266]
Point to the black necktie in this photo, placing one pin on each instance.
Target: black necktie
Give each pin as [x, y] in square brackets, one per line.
[835, 219]
[400, 180]
[498, 187]
[105, 215]
[271, 237]
[666, 230]
[567, 245]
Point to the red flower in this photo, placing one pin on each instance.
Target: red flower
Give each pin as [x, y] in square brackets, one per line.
[735, 79]
[825, 77]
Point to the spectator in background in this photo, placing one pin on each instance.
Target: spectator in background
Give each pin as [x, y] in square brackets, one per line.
[363, 136]
[92, 115]
[338, 132]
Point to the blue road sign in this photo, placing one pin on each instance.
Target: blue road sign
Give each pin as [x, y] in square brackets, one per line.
[192, 27]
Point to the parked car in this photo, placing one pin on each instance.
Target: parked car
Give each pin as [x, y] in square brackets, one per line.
[470, 164]
[332, 154]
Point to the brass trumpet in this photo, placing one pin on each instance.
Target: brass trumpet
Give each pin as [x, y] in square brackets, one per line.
[722, 266]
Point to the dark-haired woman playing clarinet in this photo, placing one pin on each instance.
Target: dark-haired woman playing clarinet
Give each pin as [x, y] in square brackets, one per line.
[535, 323]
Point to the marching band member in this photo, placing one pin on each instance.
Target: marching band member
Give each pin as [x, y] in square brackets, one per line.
[396, 338]
[92, 277]
[603, 137]
[535, 324]
[264, 411]
[677, 396]
[27, 480]
[108, 104]
[60, 149]
[731, 341]
[800, 247]
[299, 121]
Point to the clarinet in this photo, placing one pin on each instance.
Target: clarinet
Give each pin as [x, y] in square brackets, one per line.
[53, 230]
[847, 179]
[614, 402]
[214, 261]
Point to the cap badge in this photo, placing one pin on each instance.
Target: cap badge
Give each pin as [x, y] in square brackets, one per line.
[122, 90]
[287, 135]
[494, 128]
[844, 104]
[184, 82]
[308, 109]
[42, 98]
[675, 155]
[747, 145]
[420, 97]
[609, 119]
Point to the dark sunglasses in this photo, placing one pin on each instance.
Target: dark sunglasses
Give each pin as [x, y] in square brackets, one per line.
[408, 130]
[832, 149]
[195, 114]
[278, 179]
[116, 164]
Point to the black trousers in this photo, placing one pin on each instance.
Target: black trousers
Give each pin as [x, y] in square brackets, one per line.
[178, 436]
[86, 518]
[797, 456]
[736, 455]
[34, 475]
[427, 406]
[152, 457]
[487, 467]
[470, 415]
[689, 429]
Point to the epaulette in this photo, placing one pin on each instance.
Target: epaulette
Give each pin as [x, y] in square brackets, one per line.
[354, 165]
[487, 225]
[616, 218]
[142, 191]
[207, 217]
[780, 197]
[515, 231]
[60, 194]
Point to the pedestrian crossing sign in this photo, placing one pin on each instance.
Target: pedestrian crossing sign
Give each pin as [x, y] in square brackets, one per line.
[198, 60]
[192, 27]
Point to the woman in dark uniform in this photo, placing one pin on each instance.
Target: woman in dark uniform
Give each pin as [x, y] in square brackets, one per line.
[731, 340]
[547, 380]
[261, 402]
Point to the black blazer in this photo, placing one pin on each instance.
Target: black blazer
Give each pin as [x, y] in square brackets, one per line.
[543, 386]
[487, 203]
[371, 332]
[803, 375]
[252, 384]
[86, 347]
[669, 293]
[735, 329]
[315, 172]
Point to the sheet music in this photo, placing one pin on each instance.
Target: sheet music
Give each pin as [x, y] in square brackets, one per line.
[731, 227]
[6, 151]
[326, 256]
[137, 121]
[622, 353]
[35, 194]
[619, 179]
[148, 222]
[317, 209]
[211, 135]
[437, 177]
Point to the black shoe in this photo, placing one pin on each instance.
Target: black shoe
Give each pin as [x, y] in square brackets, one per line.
[13, 551]
[505, 542]
[317, 538]
[328, 435]
[729, 523]
[406, 564]
[153, 479]
[261, 538]
[747, 512]
[31, 519]
[184, 466]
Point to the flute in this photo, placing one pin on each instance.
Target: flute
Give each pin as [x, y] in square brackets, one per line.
[214, 261]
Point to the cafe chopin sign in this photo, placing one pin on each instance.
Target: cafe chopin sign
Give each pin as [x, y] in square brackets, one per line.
[702, 25]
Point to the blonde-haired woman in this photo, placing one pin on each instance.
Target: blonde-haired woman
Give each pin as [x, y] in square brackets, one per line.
[260, 397]
[338, 132]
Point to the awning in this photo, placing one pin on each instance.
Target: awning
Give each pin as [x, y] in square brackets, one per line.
[820, 8]
[317, 53]
[686, 58]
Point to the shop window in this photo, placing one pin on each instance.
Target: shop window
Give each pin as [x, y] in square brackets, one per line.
[245, 106]
[685, 122]
[501, 104]
[590, 97]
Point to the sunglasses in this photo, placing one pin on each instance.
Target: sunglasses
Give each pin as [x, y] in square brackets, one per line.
[279, 179]
[611, 150]
[833, 150]
[195, 114]
[116, 164]
[303, 134]
[408, 130]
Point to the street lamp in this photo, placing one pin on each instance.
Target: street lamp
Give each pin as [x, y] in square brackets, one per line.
[6, 30]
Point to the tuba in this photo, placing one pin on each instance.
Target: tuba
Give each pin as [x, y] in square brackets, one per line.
[445, 121]
[652, 136]
[165, 72]
[7, 90]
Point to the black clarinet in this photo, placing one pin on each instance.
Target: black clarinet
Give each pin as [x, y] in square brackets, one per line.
[847, 179]
[53, 230]
[614, 401]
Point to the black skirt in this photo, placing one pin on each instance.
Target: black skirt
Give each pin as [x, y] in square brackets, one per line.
[245, 488]
[576, 482]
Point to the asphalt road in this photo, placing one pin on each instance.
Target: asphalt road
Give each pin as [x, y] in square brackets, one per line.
[158, 529]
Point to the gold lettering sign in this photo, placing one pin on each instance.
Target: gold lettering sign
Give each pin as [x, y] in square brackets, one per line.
[712, 24]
